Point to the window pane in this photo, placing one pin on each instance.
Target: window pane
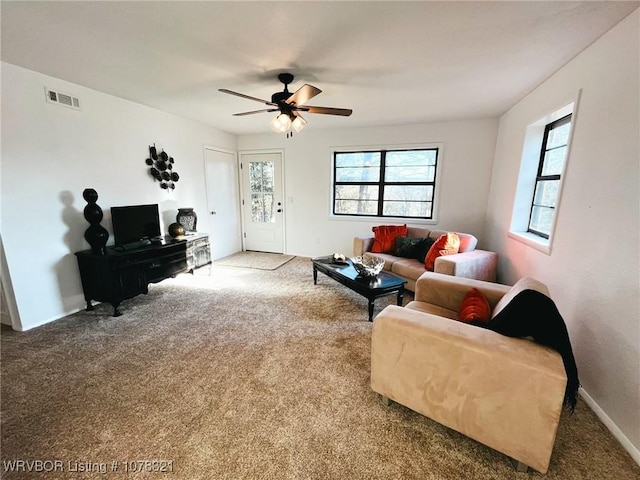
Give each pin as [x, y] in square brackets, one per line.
[408, 192]
[558, 136]
[356, 207]
[262, 210]
[358, 167]
[407, 209]
[546, 193]
[541, 219]
[356, 199]
[553, 161]
[355, 192]
[358, 174]
[267, 176]
[410, 166]
[358, 159]
[255, 176]
[261, 176]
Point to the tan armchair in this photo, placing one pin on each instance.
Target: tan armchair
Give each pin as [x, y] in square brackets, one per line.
[504, 392]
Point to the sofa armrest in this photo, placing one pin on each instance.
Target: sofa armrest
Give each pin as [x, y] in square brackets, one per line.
[504, 392]
[361, 244]
[478, 264]
[448, 291]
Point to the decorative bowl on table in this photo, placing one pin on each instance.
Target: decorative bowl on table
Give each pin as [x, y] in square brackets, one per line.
[368, 266]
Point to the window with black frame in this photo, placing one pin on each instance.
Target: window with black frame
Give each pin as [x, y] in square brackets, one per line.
[547, 189]
[385, 183]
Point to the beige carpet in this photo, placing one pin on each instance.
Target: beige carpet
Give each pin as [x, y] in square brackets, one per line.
[257, 260]
[244, 374]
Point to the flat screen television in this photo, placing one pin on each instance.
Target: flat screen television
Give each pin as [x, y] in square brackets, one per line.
[135, 223]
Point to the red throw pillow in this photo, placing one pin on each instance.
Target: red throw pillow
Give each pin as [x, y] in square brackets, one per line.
[475, 308]
[446, 244]
[384, 237]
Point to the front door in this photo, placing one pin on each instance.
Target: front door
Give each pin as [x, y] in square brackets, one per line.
[263, 202]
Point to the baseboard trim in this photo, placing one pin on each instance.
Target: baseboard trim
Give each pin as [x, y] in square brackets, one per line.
[613, 428]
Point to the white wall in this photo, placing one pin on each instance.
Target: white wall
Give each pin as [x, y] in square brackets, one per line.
[50, 154]
[466, 158]
[593, 268]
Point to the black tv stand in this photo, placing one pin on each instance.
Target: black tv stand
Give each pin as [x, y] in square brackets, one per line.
[126, 272]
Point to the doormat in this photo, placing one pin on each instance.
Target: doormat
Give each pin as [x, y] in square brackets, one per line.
[257, 260]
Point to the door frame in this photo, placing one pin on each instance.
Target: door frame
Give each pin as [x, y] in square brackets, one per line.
[242, 190]
[208, 187]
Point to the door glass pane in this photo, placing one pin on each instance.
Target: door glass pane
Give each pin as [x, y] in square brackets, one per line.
[261, 179]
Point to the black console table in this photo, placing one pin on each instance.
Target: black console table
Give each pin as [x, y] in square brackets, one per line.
[125, 273]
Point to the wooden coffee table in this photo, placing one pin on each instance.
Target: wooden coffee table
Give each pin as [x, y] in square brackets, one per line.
[369, 287]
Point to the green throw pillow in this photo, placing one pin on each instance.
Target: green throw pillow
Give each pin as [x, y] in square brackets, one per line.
[408, 247]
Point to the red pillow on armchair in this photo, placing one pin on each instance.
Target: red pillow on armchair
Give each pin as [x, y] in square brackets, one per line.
[475, 308]
[384, 237]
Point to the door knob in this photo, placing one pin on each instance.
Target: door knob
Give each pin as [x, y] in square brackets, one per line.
[213, 213]
[279, 210]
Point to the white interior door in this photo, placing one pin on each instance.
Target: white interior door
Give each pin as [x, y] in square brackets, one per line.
[223, 201]
[263, 202]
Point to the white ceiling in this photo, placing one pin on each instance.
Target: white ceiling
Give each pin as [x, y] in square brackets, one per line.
[391, 62]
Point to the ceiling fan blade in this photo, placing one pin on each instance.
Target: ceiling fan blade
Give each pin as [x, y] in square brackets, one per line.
[255, 111]
[304, 93]
[248, 97]
[345, 112]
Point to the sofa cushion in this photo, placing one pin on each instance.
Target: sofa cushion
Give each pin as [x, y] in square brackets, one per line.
[447, 244]
[384, 237]
[408, 268]
[525, 283]
[416, 248]
[475, 308]
[389, 259]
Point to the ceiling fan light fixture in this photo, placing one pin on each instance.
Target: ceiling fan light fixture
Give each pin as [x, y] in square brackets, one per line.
[298, 123]
[281, 123]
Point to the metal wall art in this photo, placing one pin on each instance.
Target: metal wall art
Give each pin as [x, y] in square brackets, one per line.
[161, 168]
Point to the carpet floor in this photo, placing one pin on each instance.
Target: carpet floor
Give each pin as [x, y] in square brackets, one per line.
[236, 373]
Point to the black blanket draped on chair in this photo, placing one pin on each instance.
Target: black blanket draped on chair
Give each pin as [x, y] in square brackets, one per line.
[533, 314]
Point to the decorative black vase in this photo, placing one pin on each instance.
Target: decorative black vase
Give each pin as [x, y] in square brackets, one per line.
[96, 235]
[187, 218]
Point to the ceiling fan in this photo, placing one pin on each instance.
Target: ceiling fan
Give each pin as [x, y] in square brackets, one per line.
[290, 105]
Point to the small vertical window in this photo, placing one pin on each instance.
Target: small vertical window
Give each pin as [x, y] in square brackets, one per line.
[547, 186]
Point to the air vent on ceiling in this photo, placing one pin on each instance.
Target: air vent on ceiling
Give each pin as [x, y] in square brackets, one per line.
[62, 99]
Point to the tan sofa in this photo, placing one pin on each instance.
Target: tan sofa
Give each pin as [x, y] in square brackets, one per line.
[468, 263]
[504, 392]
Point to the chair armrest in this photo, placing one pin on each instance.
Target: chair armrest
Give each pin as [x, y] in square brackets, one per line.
[478, 264]
[362, 244]
[448, 291]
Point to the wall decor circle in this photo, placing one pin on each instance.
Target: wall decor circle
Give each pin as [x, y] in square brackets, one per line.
[161, 168]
